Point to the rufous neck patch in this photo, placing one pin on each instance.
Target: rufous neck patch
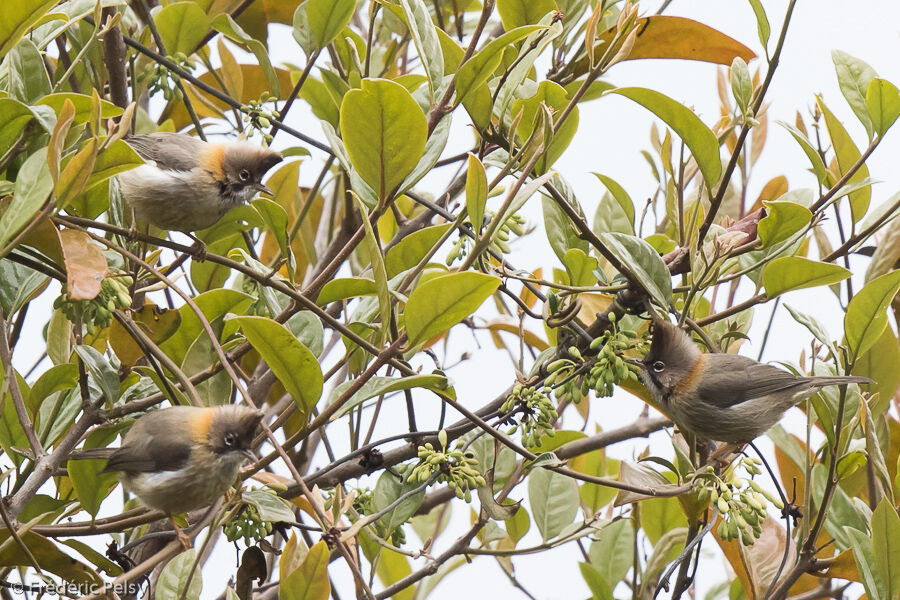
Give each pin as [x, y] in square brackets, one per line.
[213, 160]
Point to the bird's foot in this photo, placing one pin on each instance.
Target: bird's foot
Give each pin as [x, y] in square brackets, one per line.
[186, 542]
[724, 455]
[198, 249]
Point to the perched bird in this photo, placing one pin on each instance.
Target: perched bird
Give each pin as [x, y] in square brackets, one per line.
[188, 184]
[723, 397]
[183, 457]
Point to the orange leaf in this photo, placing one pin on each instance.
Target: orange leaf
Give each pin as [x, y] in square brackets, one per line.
[678, 37]
[776, 187]
[530, 338]
[675, 37]
[85, 265]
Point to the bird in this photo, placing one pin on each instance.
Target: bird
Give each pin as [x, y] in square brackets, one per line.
[722, 397]
[180, 458]
[187, 184]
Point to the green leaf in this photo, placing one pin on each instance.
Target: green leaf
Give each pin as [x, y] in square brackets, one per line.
[388, 489]
[881, 364]
[866, 315]
[580, 267]
[292, 362]
[18, 17]
[13, 117]
[409, 251]
[428, 45]
[516, 13]
[853, 77]
[553, 96]
[622, 199]
[660, 515]
[476, 193]
[17, 285]
[28, 78]
[182, 26]
[847, 155]
[790, 273]
[174, 578]
[600, 590]
[434, 147]
[885, 529]
[318, 22]
[105, 376]
[378, 271]
[865, 563]
[309, 581]
[811, 153]
[561, 233]
[346, 287]
[762, 22]
[519, 70]
[49, 557]
[442, 302]
[812, 324]
[269, 506]
[82, 104]
[644, 262]
[701, 141]
[214, 304]
[384, 131]
[76, 171]
[783, 219]
[612, 552]
[227, 26]
[116, 158]
[882, 104]
[92, 486]
[476, 71]
[378, 386]
[554, 501]
[276, 220]
[741, 86]
[33, 186]
[307, 327]
[55, 379]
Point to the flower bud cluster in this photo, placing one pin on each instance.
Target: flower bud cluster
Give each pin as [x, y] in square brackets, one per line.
[96, 314]
[246, 524]
[453, 467]
[161, 79]
[364, 503]
[606, 370]
[258, 117]
[538, 412]
[513, 224]
[743, 503]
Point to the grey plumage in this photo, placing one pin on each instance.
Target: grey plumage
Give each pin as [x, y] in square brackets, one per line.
[188, 184]
[723, 397]
[183, 457]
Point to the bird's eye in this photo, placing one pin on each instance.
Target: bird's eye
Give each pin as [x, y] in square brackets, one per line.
[230, 440]
[659, 366]
[244, 175]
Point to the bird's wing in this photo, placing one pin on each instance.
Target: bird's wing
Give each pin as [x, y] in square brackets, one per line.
[736, 379]
[160, 450]
[170, 151]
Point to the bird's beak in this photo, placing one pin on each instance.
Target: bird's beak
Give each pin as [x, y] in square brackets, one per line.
[249, 454]
[635, 361]
[259, 187]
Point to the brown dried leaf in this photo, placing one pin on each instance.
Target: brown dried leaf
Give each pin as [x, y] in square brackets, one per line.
[85, 265]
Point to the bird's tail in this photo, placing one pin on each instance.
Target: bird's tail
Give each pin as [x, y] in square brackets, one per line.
[838, 380]
[91, 453]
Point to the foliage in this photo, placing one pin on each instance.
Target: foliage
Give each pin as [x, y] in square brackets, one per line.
[356, 242]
